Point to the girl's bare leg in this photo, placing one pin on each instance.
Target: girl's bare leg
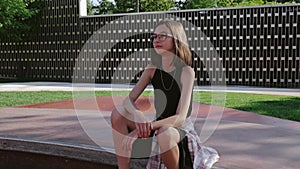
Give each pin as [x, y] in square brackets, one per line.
[120, 125]
[171, 158]
[168, 139]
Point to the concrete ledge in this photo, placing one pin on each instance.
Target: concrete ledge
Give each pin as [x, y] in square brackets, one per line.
[36, 154]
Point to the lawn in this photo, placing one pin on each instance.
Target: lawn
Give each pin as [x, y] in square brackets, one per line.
[285, 107]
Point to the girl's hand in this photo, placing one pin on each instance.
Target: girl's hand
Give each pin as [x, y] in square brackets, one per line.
[144, 129]
[142, 125]
[129, 140]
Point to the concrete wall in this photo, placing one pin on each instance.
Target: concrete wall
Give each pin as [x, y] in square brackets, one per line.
[253, 46]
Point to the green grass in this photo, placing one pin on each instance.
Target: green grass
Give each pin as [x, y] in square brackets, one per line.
[21, 98]
[285, 107]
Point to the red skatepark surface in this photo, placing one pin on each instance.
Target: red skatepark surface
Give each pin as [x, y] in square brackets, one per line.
[244, 140]
[107, 103]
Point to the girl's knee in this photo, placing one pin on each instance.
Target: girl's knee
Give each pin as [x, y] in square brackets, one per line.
[119, 115]
[167, 137]
[164, 133]
[115, 116]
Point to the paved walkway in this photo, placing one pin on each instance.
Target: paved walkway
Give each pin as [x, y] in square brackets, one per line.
[243, 139]
[62, 86]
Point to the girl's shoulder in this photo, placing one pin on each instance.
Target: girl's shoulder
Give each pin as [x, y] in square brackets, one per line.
[150, 69]
[151, 66]
[187, 71]
[184, 67]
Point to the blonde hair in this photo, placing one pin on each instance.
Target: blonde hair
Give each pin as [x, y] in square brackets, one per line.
[181, 46]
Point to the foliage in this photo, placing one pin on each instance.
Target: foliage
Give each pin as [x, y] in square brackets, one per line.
[89, 7]
[249, 3]
[155, 5]
[15, 18]
[106, 7]
[125, 6]
[196, 4]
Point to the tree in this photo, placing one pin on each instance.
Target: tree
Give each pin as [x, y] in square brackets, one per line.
[15, 18]
[89, 7]
[127, 6]
[124, 6]
[250, 3]
[196, 4]
[156, 5]
[105, 7]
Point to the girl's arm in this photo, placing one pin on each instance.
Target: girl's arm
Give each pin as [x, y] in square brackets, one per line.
[144, 80]
[142, 124]
[187, 81]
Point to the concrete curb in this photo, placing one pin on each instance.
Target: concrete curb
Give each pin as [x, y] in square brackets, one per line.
[84, 153]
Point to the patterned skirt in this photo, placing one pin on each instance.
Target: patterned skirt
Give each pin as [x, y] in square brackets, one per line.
[201, 157]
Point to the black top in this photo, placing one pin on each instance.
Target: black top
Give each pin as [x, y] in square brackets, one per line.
[167, 92]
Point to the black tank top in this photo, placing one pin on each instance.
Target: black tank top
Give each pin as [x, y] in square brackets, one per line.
[167, 92]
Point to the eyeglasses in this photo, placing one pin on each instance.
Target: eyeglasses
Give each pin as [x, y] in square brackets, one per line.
[160, 37]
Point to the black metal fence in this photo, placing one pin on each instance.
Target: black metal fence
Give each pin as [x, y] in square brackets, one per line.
[255, 46]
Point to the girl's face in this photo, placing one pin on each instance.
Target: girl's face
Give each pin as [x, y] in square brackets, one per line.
[162, 40]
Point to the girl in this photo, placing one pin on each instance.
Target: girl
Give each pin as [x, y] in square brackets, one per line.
[172, 78]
